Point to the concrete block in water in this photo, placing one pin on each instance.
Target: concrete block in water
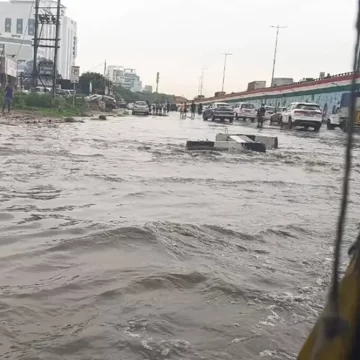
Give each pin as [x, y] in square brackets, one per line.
[200, 145]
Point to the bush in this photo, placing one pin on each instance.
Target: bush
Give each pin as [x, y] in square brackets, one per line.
[47, 104]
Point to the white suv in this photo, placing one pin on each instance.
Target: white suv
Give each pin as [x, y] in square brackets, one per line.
[334, 120]
[245, 111]
[302, 114]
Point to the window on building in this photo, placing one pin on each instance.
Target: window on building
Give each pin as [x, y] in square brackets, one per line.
[8, 25]
[19, 26]
[31, 27]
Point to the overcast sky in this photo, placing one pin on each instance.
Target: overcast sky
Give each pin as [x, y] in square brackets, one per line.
[179, 37]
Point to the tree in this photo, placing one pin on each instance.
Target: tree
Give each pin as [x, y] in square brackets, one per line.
[97, 80]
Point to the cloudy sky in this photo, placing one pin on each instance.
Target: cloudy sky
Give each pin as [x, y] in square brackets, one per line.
[179, 37]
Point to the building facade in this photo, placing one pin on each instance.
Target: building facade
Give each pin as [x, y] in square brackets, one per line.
[115, 74]
[256, 85]
[148, 89]
[281, 81]
[131, 80]
[325, 92]
[17, 29]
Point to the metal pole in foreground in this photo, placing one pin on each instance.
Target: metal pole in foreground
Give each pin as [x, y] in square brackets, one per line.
[278, 27]
[56, 44]
[36, 44]
[223, 82]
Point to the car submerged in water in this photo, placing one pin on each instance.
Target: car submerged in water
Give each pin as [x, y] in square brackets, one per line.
[219, 110]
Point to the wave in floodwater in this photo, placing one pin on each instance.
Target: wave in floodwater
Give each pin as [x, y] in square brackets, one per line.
[160, 291]
[116, 243]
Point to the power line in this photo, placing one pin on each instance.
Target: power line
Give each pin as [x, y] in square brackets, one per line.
[277, 27]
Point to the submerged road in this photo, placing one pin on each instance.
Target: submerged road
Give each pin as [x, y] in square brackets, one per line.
[116, 243]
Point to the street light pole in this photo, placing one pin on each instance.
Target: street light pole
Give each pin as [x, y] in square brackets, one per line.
[223, 82]
[277, 27]
[201, 81]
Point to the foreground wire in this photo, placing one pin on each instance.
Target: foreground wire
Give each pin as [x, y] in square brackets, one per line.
[334, 290]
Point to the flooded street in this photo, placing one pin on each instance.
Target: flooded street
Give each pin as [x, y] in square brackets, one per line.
[116, 243]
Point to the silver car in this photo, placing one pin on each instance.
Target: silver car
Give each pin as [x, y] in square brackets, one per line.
[140, 107]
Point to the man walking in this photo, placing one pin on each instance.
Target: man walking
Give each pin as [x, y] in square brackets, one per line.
[193, 110]
[9, 93]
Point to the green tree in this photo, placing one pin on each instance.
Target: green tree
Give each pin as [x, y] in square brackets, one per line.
[96, 79]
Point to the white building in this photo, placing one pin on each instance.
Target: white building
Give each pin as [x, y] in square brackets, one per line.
[254, 85]
[282, 81]
[131, 80]
[148, 89]
[17, 27]
[115, 74]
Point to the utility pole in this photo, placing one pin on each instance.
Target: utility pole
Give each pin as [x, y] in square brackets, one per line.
[44, 16]
[223, 82]
[277, 27]
[35, 45]
[157, 81]
[201, 81]
[105, 77]
[56, 44]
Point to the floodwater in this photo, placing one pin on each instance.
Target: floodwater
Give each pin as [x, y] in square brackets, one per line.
[116, 243]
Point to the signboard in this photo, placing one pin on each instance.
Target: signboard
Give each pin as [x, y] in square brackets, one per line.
[75, 74]
[10, 67]
[46, 68]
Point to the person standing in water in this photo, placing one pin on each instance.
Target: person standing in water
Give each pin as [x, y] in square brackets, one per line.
[200, 108]
[9, 94]
[193, 110]
[185, 110]
[181, 110]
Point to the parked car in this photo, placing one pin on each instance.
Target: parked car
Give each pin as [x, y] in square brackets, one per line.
[245, 111]
[334, 120]
[276, 117]
[269, 110]
[140, 107]
[302, 114]
[219, 111]
[122, 104]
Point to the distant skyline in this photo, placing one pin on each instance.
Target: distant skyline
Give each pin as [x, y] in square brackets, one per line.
[179, 37]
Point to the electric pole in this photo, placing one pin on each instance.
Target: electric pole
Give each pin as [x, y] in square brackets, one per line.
[277, 27]
[225, 58]
[46, 69]
[56, 44]
[157, 82]
[35, 45]
[201, 84]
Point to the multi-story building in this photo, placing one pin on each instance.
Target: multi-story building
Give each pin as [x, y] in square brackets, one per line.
[254, 85]
[115, 74]
[131, 80]
[148, 89]
[17, 29]
[282, 81]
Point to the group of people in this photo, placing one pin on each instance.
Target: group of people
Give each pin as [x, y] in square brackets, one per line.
[183, 110]
[158, 108]
[9, 94]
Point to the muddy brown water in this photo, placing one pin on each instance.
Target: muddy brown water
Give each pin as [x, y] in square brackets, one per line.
[116, 243]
